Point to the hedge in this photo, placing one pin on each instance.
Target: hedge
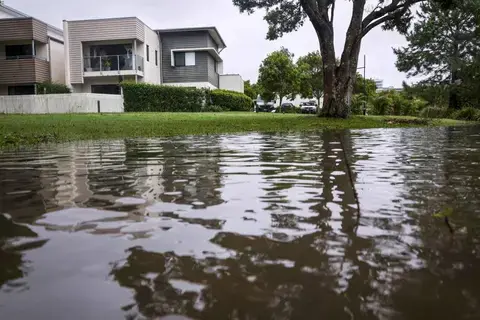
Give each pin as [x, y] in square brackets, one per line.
[52, 88]
[155, 98]
[231, 100]
[159, 98]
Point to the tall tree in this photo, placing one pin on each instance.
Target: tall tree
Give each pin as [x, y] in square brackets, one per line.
[442, 44]
[278, 74]
[288, 15]
[310, 69]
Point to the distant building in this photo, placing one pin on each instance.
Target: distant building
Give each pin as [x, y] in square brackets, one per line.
[378, 83]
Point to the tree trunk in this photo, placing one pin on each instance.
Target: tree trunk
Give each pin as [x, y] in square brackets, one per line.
[338, 80]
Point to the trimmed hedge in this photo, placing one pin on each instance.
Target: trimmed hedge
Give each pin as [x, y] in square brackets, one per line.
[156, 98]
[140, 97]
[52, 88]
[230, 100]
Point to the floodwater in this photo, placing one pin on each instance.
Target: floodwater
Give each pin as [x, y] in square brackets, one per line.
[253, 226]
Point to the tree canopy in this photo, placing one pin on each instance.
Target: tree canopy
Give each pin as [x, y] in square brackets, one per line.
[310, 73]
[278, 74]
[443, 45]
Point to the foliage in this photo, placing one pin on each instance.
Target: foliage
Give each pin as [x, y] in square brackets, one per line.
[435, 95]
[441, 46]
[231, 100]
[155, 98]
[469, 114]
[52, 88]
[251, 90]
[212, 108]
[19, 130]
[278, 75]
[358, 103]
[310, 76]
[361, 86]
[383, 105]
[285, 16]
[433, 112]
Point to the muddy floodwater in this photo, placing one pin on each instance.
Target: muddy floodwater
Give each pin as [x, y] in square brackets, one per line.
[250, 226]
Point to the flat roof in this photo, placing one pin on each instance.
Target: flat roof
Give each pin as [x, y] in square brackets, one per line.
[212, 30]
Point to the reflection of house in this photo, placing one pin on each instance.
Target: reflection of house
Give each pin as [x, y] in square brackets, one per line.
[31, 52]
[101, 53]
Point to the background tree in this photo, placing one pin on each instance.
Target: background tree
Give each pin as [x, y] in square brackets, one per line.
[278, 74]
[442, 45]
[285, 16]
[251, 90]
[310, 79]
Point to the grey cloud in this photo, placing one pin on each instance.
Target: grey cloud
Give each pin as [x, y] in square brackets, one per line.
[244, 34]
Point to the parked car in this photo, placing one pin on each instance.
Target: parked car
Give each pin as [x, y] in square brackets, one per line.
[286, 107]
[265, 107]
[308, 107]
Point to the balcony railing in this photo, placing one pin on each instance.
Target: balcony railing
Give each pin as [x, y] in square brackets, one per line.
[113, 63]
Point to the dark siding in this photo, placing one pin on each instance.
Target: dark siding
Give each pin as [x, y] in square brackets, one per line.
[23, 29]
[184, 40]
[212, 74]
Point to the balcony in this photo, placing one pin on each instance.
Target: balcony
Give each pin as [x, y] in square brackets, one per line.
[24, 69]
[113, 65]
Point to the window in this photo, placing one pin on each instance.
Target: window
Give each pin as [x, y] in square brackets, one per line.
[19, 51]
[148, 52]
[21, 90]
[179, 58]
[106, 88]
[182, 59]
[156, 57]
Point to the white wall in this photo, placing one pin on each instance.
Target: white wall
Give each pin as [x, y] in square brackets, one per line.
[57, 61]
[152, 72]
[198, 85]
[61, 103]
[232, 82]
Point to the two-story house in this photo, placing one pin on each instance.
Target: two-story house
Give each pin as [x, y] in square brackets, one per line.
[31, 52]
[101, 53]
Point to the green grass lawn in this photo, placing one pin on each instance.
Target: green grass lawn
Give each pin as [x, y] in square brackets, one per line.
[19, 130]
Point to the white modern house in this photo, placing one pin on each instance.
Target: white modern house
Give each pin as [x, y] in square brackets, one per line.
[31, 52]
[101, 53]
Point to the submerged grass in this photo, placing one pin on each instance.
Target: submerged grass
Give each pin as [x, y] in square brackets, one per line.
[20, 130]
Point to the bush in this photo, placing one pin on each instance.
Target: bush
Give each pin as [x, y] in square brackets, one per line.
[358, 101]
[52, 88]
[156, 98]
[382, 105]
[433, 112]
[212, 108]
[230, 100]
[469, 114]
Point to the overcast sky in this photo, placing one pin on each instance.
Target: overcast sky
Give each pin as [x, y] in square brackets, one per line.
[243, 34]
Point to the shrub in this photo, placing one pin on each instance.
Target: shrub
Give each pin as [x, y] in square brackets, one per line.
[211, 108]
[156, 98]
[358, 101]
[230, 100]
[469, 114]
[433, 112]
[52, 88]
[382, 105]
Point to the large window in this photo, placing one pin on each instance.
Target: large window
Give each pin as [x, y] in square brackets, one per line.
[21, 90]
[19, 51]
[106, 88]
[183, 59]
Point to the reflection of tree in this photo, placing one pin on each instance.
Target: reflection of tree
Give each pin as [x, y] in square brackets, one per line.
[12, 266]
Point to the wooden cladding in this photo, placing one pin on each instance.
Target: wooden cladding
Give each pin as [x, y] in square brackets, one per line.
[23, 29]
[24, 71]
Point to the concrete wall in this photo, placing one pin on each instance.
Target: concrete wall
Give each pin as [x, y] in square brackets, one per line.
[232, 82]
[61, 103]
[57, 61]
[151, 72]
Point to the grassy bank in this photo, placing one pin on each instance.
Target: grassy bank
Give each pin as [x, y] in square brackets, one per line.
[19, 130]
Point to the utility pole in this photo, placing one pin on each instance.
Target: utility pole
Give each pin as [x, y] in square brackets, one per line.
[364, 83]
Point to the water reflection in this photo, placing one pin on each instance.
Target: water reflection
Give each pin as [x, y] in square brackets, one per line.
[253, 226]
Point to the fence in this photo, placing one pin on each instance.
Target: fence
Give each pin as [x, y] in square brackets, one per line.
[61, 103]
